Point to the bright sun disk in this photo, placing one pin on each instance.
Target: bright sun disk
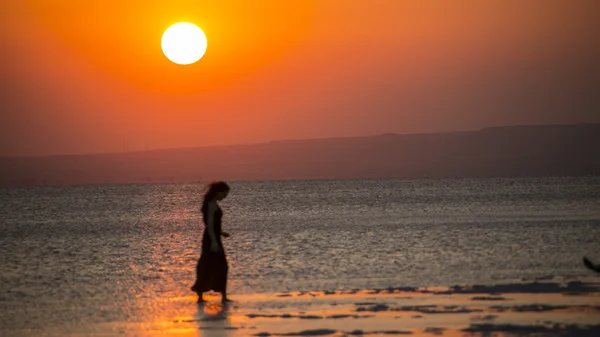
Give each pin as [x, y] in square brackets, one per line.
[184, 43]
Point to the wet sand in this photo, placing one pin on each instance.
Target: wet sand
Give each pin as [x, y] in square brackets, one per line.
[528, 309]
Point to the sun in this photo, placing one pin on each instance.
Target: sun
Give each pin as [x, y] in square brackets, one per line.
[184, 43]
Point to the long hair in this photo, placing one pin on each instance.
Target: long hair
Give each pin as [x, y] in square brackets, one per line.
[211, 192]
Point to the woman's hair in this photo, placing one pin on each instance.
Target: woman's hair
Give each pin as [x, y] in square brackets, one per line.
[211, 192]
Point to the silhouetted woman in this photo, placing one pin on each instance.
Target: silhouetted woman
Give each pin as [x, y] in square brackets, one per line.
[211, 271]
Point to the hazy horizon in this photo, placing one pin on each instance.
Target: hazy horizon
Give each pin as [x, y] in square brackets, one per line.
[125, 150]
[563, 150]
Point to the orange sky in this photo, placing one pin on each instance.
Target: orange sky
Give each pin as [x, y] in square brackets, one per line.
[90, 76]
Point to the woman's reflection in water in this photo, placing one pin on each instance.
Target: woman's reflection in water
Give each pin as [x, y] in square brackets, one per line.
[214, 320]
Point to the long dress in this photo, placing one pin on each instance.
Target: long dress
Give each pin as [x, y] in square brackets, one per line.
[211, 271]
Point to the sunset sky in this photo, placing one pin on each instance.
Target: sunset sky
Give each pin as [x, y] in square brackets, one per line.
[90, 76]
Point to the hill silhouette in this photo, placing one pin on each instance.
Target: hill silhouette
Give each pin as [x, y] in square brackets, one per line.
[492, 152]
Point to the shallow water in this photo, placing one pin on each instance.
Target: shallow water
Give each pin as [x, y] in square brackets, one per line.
[103, 253]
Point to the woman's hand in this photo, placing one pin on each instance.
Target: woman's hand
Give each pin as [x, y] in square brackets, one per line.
[214, 247]
[225, 234]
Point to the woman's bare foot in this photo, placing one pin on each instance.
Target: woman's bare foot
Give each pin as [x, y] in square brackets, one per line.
[200, 299]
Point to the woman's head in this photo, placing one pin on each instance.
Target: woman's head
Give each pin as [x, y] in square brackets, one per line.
[216, 191]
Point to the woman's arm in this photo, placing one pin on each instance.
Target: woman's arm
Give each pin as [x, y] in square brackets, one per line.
[210, 215]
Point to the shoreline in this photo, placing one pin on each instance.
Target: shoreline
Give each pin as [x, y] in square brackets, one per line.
[538, 308]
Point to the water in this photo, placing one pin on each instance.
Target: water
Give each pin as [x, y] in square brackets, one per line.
[100, 254]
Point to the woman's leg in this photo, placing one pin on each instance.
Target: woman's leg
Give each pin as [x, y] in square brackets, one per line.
[197, 287]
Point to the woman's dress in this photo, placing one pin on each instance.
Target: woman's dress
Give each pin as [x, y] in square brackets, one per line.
[211, 271]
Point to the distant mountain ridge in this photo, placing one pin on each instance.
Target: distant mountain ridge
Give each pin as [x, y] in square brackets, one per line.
[544, 150]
